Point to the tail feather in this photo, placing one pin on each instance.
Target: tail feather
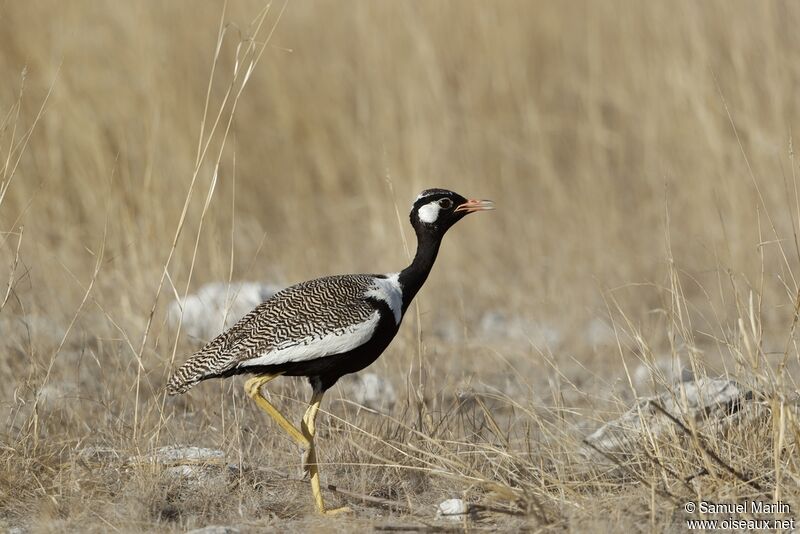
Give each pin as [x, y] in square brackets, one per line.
[180, 382]
[198, 367]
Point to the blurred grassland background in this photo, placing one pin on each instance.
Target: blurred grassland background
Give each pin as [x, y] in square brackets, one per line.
[639, 153]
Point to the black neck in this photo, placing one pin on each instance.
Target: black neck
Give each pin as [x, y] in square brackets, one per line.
[412, 277]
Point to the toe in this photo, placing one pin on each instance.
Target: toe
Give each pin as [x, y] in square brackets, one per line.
[337, 511]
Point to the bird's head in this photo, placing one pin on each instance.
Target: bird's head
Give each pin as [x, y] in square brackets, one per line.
[436, 210]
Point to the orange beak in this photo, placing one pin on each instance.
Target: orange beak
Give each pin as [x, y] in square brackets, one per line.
[475, 205]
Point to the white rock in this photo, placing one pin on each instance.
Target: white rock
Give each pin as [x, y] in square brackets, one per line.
[189, 472]
[709, 402]
[448, 331]
[369, 390]
[57, 393]
[188, 465]
[217, 306]
[664, 371]
[499, 326]
[599, 333]
[215, 529]
[452, 509]
[41, 326]
[182, 455]
[198, 473]
[19, 330]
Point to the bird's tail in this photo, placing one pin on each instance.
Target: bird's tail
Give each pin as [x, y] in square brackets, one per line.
[182, 379]
[200, 366]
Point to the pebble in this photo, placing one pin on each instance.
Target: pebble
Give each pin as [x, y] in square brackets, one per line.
[452, 509]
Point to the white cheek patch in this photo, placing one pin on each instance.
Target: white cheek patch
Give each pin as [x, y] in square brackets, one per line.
[429, 212]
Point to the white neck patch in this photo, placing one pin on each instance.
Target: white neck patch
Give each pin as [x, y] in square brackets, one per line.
[389, 290]
[429, 212]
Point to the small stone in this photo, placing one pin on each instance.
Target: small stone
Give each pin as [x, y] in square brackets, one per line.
[452, 509]
[214, 529]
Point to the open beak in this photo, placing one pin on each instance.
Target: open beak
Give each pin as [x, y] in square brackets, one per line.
[475, 205]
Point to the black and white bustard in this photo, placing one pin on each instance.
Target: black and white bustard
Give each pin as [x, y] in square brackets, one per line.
[325, 328]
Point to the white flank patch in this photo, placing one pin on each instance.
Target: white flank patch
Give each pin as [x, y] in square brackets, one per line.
[335, 343]
[389, 290]
[429, 212]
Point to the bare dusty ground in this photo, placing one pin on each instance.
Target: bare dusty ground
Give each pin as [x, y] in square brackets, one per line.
[641, 156]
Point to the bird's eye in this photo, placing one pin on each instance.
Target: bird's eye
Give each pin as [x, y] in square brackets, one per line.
[445, 203]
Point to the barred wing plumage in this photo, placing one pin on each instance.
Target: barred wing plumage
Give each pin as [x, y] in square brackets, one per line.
[309, 320]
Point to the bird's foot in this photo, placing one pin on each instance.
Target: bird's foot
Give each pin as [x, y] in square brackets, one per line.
[337, 511]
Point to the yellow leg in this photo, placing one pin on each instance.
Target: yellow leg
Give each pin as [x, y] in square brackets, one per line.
[253, 389]
[309, 428]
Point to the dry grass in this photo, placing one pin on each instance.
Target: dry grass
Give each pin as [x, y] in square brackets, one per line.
[641, 157]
